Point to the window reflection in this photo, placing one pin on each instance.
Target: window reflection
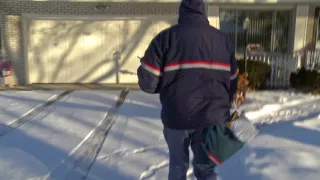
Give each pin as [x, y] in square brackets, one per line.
[318, 29]
[268, 30]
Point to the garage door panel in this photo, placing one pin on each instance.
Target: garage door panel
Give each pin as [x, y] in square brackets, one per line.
[88, 51]
[37, 57]
[58, 73]
[74, 53]
[139, 37]
[65, 37]
[132, 33]
[166, 23]
[100, 62]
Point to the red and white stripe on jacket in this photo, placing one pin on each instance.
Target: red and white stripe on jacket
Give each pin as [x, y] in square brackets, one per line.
[189, 65]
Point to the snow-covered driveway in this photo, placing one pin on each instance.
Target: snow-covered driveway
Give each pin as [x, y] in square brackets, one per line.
[47, 142]
[57, 142]
[287, 150]
[14, 104]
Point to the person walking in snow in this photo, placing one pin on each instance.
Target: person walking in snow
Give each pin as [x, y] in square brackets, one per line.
[192, 66]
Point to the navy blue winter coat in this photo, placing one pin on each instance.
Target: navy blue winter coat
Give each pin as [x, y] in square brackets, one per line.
[192, 66]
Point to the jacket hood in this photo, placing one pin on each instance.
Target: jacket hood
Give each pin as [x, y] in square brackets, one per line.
[192, 12]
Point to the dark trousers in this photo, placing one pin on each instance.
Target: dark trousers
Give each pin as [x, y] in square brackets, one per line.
[178, 143]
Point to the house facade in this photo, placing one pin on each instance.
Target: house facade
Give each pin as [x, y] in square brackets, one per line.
[78, 41]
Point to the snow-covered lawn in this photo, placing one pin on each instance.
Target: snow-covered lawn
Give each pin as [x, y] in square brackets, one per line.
[47, 145]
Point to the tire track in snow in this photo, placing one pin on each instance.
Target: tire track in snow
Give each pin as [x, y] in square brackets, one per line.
[87, 152]
[79, 161]
[30, 115]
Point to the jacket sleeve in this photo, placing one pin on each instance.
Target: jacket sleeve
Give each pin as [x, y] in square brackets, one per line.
[150, 69]
[234, 71]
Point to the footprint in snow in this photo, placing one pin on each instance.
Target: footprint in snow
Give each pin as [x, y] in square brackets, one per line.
[153, 169]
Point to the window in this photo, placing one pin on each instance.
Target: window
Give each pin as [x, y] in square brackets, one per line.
[267, 28]
[318, 36]
[318, 29]
[1, 48]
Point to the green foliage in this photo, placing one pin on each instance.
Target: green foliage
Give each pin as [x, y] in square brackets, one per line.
[258, 72]
[306, 80]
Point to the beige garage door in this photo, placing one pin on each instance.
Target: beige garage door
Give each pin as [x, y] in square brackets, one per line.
[137, 36]
[88, 51]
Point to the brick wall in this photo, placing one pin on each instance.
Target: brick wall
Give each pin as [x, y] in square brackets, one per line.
[13, 48]
[12, 31]
[82, 8]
